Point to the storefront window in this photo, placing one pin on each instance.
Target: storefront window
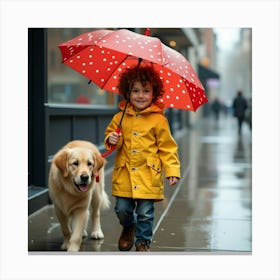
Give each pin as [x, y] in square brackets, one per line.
[65, 86]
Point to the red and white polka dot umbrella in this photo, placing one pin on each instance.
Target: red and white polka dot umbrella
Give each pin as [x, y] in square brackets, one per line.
[102, 55]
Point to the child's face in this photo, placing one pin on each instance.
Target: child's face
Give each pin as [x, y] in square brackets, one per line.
[141, 96]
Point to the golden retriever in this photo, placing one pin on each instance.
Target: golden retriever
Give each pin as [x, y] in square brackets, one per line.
[76, 181]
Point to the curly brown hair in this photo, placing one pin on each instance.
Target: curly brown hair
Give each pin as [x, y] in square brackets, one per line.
[143, 75]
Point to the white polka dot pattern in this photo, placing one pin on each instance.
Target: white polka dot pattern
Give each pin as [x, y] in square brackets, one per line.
[103, 54]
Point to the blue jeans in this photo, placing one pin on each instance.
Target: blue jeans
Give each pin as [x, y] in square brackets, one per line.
[138, 212]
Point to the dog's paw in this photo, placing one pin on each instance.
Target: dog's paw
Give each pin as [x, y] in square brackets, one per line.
[65, 245]
[73, 248]
[97, 234]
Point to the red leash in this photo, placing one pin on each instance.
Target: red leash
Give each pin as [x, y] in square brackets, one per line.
[107, 153]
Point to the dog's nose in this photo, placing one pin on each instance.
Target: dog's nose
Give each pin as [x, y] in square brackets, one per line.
[84, 178]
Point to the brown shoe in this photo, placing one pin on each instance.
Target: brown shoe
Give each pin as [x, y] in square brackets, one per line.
[142, 247]
[127, 238]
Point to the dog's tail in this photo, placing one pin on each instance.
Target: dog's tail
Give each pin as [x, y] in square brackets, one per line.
[105, 201]
[100, 199]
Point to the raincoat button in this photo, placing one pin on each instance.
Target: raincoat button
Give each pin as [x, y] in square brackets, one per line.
[134, 151]
[135, 133]
[133, 168]
[135, 187]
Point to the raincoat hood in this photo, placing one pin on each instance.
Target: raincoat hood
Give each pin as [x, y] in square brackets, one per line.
[156, 107]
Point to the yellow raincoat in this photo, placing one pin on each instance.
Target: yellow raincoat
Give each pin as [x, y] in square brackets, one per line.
[146, 149]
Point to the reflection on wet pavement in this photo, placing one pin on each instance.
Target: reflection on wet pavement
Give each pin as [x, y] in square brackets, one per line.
[210, 210]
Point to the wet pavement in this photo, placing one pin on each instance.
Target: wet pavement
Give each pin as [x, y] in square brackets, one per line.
[209, 211]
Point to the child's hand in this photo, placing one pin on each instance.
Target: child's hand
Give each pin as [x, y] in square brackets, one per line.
[172, 180]
[114, 138]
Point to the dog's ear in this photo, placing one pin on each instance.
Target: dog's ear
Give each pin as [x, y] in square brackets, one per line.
[99, 163]
[61, 161]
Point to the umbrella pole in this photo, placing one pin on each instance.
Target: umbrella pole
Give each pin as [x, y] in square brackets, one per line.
[127, 100]
[120, 123]
[118, 130]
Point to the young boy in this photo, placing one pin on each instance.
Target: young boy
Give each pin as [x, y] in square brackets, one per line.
[145, 148]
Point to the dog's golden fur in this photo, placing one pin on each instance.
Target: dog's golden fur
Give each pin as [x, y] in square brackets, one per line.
[73, 187]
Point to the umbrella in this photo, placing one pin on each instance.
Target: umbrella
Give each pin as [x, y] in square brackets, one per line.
[101, 56]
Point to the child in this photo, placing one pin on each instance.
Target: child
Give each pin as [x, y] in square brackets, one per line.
[145, 148]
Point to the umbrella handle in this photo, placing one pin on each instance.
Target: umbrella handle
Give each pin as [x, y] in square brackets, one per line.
[113, 147]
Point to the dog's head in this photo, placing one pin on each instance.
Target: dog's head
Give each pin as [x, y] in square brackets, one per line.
[80, 165]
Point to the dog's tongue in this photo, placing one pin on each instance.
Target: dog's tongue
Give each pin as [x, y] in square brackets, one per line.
[83, 188]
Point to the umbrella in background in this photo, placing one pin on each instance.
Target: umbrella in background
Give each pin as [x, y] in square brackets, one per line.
[102, 55]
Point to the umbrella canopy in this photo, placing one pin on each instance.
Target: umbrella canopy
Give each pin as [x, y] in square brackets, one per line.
[102, 55]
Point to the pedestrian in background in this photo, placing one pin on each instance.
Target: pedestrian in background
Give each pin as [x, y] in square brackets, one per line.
[216, 108]
[145, 148]
[239, 109]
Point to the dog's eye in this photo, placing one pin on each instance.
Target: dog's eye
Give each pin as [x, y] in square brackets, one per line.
[89, 163]
[76, 163]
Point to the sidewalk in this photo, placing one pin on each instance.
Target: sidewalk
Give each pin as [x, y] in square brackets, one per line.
[208, 211]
